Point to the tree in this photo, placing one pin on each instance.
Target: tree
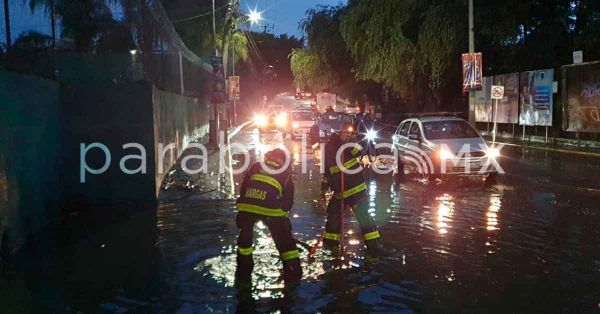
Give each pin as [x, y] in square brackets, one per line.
[7, 23]
[50, 8]
[310, 74]
[31, 41]
[411, 47]
[325, 64]
[82, 20]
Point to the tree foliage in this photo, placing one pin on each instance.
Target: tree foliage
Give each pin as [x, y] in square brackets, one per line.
[325, 64]
[89, 23]
[413, 47]
[409, 46]
[310, 74]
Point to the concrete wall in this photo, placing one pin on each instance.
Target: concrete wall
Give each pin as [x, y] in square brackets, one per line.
[43, 124]
[178, 120]
[30, 156]
[113, 114]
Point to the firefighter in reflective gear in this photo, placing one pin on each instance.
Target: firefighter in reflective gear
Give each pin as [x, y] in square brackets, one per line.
[267, 194]
[353, 192]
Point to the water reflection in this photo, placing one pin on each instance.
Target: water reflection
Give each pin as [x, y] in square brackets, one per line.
[492, 213]
[445, 211]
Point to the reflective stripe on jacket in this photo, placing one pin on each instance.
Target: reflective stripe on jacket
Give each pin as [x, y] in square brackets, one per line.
[265, 193]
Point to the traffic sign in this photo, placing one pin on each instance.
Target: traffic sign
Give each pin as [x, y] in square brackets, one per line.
[577, 57]
[497, 92]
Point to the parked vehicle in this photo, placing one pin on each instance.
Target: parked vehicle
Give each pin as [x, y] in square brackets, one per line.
[438, 146]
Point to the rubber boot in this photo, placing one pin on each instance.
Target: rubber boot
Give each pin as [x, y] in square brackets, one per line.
[332, 245]
[374, 248]
[243, 270]
[292, 272]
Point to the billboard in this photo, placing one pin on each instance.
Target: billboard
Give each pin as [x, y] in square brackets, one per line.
[581, 112]
[219, 93]
[508, 106]
[234, 87]
[483, 101]
[472, 67]
[536, 98]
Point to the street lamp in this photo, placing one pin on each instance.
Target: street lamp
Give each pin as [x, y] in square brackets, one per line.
[254, 17]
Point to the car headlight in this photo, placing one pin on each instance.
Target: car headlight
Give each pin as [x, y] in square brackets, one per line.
[371, 135]
[281, 120]
[445, 154]
[295, 125]
[492, 152]
[261, 120]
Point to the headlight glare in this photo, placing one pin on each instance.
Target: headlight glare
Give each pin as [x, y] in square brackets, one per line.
[260, 120]
[371, 135]
[445, 154]
[493, 152]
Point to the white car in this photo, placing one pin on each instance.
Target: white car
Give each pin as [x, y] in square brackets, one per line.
[301, 122]
[440, 145]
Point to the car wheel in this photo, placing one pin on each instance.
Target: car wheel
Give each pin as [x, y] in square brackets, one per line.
[400, 169]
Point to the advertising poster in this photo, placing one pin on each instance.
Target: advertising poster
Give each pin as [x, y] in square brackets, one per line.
[219, 94]
[582, 110]
[536, 98]
[508, 107]
[483, 101]
[234, 87]
[472, 65]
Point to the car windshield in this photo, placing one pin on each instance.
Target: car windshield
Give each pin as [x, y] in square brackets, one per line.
[302, 116]
[335, 118]
[439, 130]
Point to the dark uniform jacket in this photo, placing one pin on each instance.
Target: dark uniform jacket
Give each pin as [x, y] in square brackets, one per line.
[265, 193]
[354, 184]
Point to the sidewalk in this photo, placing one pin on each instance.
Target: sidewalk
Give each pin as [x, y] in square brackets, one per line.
[210, 184]
[560, 145]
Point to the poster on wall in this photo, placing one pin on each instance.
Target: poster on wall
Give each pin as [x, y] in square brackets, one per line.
[508, 106]
[483, 101]
[234, 87]
[472, 71]
[582, 110]
[536, 98]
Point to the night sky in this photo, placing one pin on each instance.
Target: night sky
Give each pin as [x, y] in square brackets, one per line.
[284, 15]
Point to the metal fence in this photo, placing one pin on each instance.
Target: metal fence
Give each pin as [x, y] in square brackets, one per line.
[159, 56]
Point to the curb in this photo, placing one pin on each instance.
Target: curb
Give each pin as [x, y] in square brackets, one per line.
[558, 150]
[237, 130]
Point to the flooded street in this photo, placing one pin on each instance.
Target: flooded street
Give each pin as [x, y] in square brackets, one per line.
[526, 244]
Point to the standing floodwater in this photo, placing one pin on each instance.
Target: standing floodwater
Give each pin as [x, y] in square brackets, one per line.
[529, 243]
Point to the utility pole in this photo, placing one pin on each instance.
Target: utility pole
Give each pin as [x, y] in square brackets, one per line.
[213, 125]
[214, 27]
[471, 26]
[268, 27]
[471, 110]
[7, 24]
[233, 74]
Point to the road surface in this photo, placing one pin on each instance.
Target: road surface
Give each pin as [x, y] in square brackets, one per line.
[529, 243]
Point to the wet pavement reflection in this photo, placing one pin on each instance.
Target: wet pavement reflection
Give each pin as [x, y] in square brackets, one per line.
[529, 243]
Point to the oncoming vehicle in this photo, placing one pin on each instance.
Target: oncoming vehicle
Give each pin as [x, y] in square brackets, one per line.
[331, 122]
[274, 120]
[439, 145]
[301, 122]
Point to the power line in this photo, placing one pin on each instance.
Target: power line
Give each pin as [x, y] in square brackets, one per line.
[199, 15]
